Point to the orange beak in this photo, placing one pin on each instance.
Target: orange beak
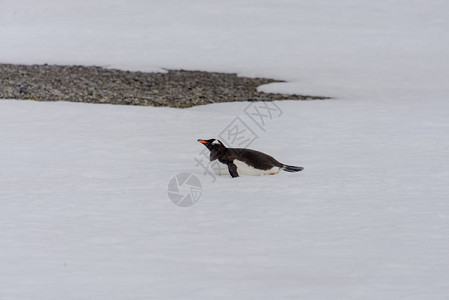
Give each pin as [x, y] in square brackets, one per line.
[202, 141]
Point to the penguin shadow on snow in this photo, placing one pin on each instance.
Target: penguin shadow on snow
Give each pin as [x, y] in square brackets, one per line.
[241, 161]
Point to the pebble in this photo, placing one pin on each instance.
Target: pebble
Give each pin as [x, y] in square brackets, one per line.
[176, 88]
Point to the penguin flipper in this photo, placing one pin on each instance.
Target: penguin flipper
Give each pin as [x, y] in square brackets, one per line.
[232, 169]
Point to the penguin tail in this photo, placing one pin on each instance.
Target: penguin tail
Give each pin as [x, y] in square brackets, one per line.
[291, 168]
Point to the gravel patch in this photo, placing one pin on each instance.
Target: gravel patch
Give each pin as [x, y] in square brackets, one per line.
[176, 88]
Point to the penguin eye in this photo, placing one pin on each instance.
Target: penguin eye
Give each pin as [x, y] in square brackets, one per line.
[215, 142]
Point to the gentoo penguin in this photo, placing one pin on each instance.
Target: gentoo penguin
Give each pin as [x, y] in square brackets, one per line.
[240, 161]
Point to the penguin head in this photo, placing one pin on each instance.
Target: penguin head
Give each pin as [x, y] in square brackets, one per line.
[212, 143]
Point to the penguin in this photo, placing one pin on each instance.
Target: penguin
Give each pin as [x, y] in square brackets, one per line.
[240, 161]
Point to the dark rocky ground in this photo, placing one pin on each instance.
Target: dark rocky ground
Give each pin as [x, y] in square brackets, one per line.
[176, 88]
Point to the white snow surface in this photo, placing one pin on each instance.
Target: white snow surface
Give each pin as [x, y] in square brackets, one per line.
[84, 207]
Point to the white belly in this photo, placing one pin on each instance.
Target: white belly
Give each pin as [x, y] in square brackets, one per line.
[242, 169]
